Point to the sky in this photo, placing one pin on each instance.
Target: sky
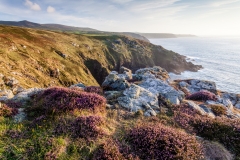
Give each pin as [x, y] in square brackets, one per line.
[199, 17]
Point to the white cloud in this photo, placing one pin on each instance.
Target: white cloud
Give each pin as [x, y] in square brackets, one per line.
[223, 2]
[32, 6]
[50, 9]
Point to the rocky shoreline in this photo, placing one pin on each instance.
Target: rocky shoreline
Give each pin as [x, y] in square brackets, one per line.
[141, 91]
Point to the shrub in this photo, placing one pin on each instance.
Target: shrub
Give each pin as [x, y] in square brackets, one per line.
[184, 116]
[109, 150]
[162, 142]
[82, 127]
[13, 104]
[58, 99]
[94, 89]
[6, 111]
[87, 127]
[223, 130]
[202, 96]
[218, 110]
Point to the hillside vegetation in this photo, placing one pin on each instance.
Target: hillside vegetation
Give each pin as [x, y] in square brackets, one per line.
[38, 58]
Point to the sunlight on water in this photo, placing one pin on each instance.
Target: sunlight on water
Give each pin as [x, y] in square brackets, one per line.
[220, 58]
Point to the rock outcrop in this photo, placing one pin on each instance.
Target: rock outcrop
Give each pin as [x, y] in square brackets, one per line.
[141, 91]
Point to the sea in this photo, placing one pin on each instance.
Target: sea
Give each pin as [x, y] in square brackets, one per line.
[219, 56]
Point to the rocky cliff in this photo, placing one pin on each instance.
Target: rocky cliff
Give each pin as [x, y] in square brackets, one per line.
[38, 58]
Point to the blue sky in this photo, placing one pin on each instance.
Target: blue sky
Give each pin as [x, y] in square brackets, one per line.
[200, 17]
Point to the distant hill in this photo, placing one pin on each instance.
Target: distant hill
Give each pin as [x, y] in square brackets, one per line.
[164, 35]
[64, 28]
[56, 27]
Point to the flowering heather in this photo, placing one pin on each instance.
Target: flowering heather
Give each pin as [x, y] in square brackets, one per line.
[13, 104]
[113, 150]
[184, 116]
[162, 142]
[202, 96]
[109, 150]
[94, 89]
[6, 111]
[58, 99]
[82, 127]
[87, 127]
[223, 130]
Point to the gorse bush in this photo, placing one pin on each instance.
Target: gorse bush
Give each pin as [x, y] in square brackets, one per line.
[94, 89]
[161, 142]
[6, 111]
[218, 110]
[58, 99]
[202, 96]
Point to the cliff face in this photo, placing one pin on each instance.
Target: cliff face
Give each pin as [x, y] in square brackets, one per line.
[45, 58]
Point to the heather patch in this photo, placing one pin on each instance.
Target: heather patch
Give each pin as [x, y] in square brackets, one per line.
[202, 96]
[60, 100]
[88, 127]
[162, 142]
[223, 130]
[94, 89]
[109, 150]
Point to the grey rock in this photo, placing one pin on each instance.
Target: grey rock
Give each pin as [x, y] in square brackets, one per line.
[237, 105]
[231, 96]
[114, 72]
[156, 71]
[119, 85]
[80, 85]
[114, 82]
[203, 110]
[208, 111]
[183, 84]
[135, 98]
[25, 96]
[157, 86]
[196, 85]
[209, 102]
[20, 116]
[150, 113]
[228, 103]
[110, 95]
[196, 107]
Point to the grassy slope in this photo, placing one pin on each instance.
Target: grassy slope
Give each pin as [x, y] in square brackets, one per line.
[29, 56]
[39, 56]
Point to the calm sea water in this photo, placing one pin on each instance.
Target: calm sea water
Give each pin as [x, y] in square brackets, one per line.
[220, 57]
